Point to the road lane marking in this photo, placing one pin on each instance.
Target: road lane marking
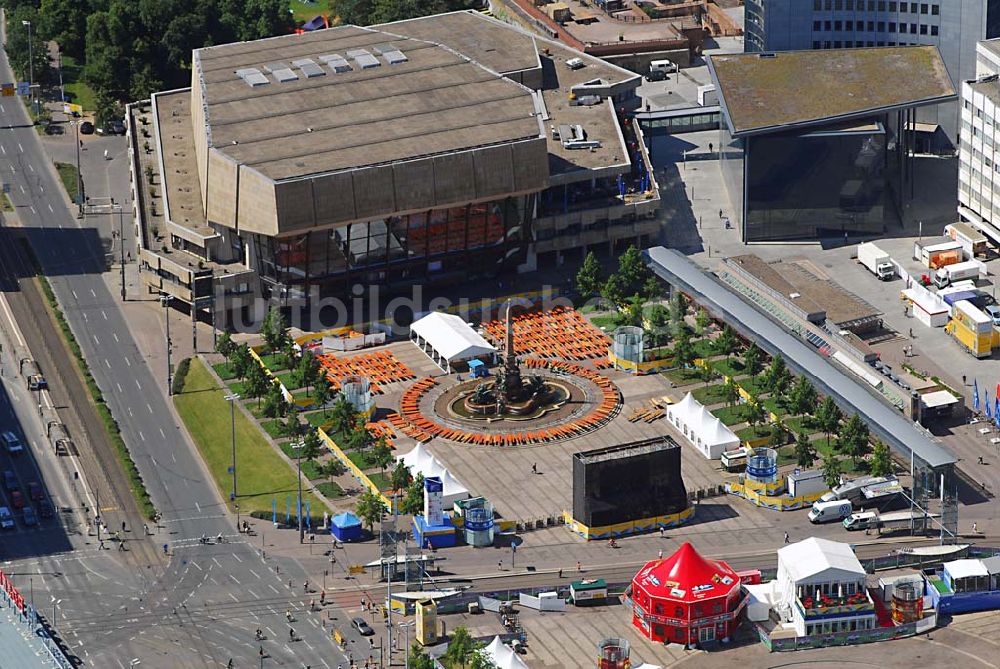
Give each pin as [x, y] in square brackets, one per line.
[195, 564]
[233, 596]
[107, 363]
[20, 148]
[85, 319]
[130, 411]
[119, 387]
[274, 589]
[74, 295]
[137, 383]
[3, 149]
[217, 563]
[10, 319]
[51, 209]
[30, 167]
[92, 292]
[115, 335]
[142, 436]
[196, 504]
[21, 187]
[238, 559]
[32, 208]
[96, 340]
[103, 313]
[149, 407]
[41, 188]
[173, 457]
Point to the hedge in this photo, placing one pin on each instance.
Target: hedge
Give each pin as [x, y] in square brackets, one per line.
[177, 385]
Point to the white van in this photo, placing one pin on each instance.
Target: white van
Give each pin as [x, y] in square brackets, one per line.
[829, 512]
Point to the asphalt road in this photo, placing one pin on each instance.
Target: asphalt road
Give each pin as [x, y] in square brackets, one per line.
[202, 608]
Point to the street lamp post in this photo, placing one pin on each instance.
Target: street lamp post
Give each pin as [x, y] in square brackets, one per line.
[55, 602]
[232, 399]
[31, 67]
[79, 177]
[165, 301]
[406, 642]
[298, 468]
[121, 241]
[237, 518]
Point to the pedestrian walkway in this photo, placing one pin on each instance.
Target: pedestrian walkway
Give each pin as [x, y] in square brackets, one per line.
[24, 644]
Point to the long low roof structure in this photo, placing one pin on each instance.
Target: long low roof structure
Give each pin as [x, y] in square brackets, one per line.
[451, 337]
[886, 423]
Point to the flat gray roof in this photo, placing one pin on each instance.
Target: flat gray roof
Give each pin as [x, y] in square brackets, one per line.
[992, 45]
[886, 423]
[990, 88]
[769, 92]
[435, 102]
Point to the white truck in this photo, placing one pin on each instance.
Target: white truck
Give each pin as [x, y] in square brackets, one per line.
[876, 260]
[945, 276]
[829, 512]
[884, 522]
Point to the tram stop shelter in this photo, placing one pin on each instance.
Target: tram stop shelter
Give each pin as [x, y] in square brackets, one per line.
[450, 342]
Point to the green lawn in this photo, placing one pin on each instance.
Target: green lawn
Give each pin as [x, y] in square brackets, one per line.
[263, 475]
[317, 418]
[380, 480]
[682, 376]
[786, 455]
[753, 386]
[304, 11]
[361, 459]
[731, 415]
[237, 387]
[772, 405]
[731, 367]
[710, 394]
[68, 176]
[800, 424]
[274, 362]
[605, 322]
[76, 90]
[705, 348]
[290, 379]
[748, 433]
[273, 428]
[330, 490]
[225, 371]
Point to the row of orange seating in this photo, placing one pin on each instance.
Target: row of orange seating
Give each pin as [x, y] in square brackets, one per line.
[411, 420]
[380, 367]
[558, 333]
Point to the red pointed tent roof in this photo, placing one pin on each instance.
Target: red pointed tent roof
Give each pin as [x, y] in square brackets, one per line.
[686, 576]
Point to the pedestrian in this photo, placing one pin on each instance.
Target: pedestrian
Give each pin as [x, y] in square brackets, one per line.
[123, 526]
[305, 587]
[102, 547]
[145, 530]
[165, 548]
[710, 147]
[121, 546]
[229, 665]
[499, 565]
[720, 214]
[659, 554]
[786, 537]
[975, 528]
[322, 598]
[560, 572]
[288, 615]
[981, 460]
[261, 651]
[579, 567]
[963, 379]
[661, 532]
[911, 333]
[534, 468]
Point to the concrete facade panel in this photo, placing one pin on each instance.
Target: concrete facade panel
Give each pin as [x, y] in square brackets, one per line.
[494, 170]
[454, 179]
[531, 165]
[221, 189]
[373, 192]
[199, 131]
[414, 184]
[295, 204]
[257, 207]
[334, 198]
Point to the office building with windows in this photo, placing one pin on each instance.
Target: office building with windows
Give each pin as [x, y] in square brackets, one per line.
[810, 141]
[954, 26]
[979, 148]
[429, 151]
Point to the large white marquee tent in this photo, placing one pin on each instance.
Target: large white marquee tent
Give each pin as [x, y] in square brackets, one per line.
[705, 432]
[422, 461]
[447, 339]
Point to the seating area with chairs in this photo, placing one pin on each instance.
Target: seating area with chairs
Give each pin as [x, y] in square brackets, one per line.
[380, 367]
[557, 333]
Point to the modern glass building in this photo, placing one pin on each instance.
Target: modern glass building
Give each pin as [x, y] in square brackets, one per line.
[810, 141]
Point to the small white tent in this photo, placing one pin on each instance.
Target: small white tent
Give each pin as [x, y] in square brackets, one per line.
[503, 656]
[447, 339]
[700, 427]
[422, 461]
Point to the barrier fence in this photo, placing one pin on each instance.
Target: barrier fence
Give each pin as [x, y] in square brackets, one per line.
[28, 617]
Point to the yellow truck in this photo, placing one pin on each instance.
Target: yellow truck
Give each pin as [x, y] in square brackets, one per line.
[973, 329]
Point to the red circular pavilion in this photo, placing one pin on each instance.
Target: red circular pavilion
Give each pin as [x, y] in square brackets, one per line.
[687, 599]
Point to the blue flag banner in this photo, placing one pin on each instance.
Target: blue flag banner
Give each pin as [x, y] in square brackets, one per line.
[975, 395]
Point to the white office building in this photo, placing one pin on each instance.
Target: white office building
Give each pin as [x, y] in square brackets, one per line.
[979, 164]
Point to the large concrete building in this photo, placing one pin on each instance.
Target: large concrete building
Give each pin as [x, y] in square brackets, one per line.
[979, 153]
[954, 26]
[426, 151]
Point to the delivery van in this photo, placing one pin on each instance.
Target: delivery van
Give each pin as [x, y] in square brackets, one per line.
[830, 512]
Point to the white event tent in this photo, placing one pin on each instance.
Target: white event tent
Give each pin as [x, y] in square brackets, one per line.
[422, 461]
[447, 339]
[705, 432]
[503, 656]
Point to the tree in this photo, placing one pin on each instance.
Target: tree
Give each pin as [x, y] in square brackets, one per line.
[370, 508]
[461, 645]
[613, 291]
[64, 21]
[400, 476]
[678, 309]
[342, 415]
[482, 660]
[777, 377]
[701, 320]
[275, 405]
[242, 361]
[828, 417]
[881, 463]
[27, 59]
[752, 360]
[312, 446]
[225, 346]
[332, 468]
[307, 369]
[684, 353]
[274, 330]
[292, 427]
[831, 471]
[589, 278]
[359, 439]
[321, 392]
[779, 434]
[853, 439]
[413, 500]
[730, 392]
[805, 454]
[652, 289]
[381, 454]
[754, 414]
[632, 271]
[631, 312]
[802, 397]
[257, 383]
[418, 659]
[726, 342]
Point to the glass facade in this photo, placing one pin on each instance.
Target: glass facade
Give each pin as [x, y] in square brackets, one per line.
[487, 236]
[731, 159]
[807, 184]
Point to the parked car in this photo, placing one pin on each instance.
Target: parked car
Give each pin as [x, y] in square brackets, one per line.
[12, 443]
[86, 128]
[362, 626]
[10, 480]
[54, 129]
[45, 509]
[30, 519]
[34, 491]
[993, 311]
[113, 127]
[6, 519]
[17, 499]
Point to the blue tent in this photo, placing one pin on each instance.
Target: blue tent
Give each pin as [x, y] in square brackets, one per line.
[345, 527]
[477, 369]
